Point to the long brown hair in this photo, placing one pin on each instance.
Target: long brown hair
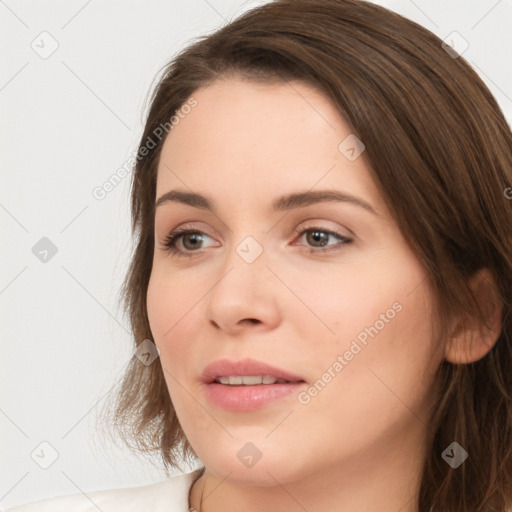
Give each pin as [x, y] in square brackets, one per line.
[440, 151]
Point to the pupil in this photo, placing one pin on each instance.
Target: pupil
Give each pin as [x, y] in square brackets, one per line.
[318, 236]
[194, 237]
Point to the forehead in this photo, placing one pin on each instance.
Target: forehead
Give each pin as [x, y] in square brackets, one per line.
[226, 105]
[248, 137]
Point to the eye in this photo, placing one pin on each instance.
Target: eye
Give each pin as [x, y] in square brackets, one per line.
[318, 238]
[184, 242]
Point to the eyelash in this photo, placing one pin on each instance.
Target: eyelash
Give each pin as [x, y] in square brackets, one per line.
[170, 240]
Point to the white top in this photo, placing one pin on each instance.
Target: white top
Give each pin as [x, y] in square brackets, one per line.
[170, 495]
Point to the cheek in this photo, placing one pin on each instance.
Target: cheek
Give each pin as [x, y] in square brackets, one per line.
[170, 307]
[380, 386]
[388, 356]
[378, 319]
[172, 319]
[339, 305]
[160, 307]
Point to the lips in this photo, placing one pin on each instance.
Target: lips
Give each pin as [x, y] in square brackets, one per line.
[248, 385]
[246, 368]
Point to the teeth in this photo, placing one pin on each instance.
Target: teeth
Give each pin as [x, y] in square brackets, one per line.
[249, 380]
[252, 380]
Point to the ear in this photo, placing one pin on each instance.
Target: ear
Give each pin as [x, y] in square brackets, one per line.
[469, 340]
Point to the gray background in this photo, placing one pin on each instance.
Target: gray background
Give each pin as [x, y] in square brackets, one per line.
[69, 121]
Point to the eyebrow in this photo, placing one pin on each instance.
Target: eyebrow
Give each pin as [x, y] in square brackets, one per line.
[282, 203]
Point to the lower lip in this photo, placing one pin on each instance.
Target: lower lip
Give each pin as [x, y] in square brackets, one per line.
[248, 398]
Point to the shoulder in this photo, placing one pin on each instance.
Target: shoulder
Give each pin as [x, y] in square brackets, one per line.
[170, 495]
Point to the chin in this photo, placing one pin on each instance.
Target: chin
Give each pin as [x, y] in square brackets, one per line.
[260, 475]
[260, 463]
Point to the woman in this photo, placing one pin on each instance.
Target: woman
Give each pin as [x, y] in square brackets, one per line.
[323, 264]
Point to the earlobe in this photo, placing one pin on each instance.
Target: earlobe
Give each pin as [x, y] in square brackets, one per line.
[470, 340]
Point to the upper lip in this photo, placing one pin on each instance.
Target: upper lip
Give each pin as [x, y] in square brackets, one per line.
[227, 367]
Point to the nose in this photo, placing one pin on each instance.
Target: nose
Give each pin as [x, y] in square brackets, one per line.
[245, 296]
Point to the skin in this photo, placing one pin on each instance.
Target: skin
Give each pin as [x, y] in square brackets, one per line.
[360, 443]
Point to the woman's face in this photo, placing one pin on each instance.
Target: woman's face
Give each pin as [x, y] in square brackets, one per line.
[328, 291]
